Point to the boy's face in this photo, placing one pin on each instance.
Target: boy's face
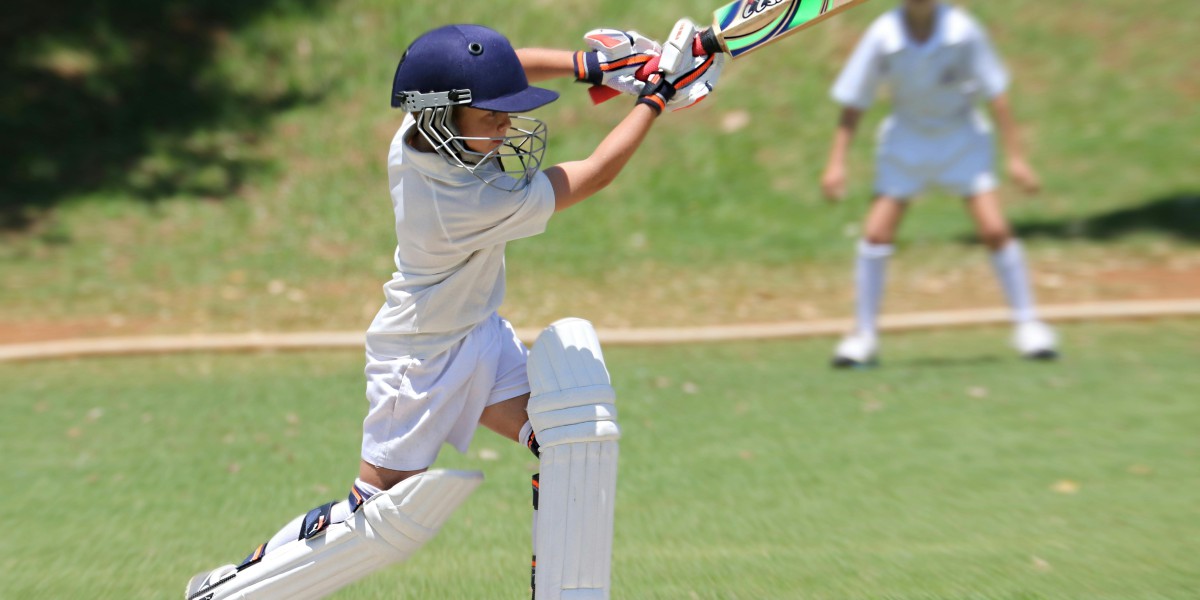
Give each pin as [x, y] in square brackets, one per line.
[476, 123]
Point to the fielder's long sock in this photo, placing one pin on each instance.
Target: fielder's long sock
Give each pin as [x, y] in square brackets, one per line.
[338, 513]
[1009, 263]
[870, 275]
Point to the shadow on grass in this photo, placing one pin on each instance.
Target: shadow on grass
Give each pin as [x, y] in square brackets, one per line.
[949, 361]
[120, 95]
[1176, 215]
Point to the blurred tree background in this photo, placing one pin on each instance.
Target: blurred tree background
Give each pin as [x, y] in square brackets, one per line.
[124, 95]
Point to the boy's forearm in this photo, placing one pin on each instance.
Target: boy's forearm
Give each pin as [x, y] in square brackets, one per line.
[577, 180]
[544, 63]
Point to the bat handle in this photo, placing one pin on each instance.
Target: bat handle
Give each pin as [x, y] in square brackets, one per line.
[706, 42]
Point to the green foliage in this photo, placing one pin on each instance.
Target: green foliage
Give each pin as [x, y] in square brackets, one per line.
[747, 471]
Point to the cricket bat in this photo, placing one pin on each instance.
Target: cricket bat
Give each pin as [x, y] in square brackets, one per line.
[739, 28]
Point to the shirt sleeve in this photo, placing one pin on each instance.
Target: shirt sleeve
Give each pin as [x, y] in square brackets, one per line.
[985, 64]
[505, 216]
[858, 82]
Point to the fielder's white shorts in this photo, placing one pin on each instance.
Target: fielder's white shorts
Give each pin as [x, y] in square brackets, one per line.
[417, 404]
[959, 159]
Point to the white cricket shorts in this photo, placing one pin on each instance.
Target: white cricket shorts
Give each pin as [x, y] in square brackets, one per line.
[417, 404]
[959, 160]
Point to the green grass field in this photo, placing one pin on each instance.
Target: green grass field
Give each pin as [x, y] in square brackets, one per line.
[268, 208]
[747, 471]
[214, 166]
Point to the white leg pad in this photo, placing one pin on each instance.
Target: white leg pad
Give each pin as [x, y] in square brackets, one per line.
[571, 407]
[386, 529]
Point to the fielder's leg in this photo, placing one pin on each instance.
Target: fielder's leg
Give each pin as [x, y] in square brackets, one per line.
[386, 529]
[574, 421]
[860, 348]
[1032, 338]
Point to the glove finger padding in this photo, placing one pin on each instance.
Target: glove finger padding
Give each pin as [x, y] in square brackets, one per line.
[697, 83]
[686, 89]
[690, 82]
[615, 58]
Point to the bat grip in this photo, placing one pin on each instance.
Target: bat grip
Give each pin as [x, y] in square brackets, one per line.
[706, 42]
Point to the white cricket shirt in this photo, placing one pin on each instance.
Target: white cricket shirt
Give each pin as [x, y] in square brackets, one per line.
[935, 85]
[451, 230]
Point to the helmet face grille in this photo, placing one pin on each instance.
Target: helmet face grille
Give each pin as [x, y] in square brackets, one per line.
[511, 166]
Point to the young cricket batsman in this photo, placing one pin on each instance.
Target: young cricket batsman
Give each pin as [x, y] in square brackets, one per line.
[465, 177]
[939, 64]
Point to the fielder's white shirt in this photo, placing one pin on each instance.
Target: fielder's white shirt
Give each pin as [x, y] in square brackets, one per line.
[451, 230]
[935, 85]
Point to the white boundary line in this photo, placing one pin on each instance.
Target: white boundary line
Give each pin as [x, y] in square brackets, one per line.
[260, 341]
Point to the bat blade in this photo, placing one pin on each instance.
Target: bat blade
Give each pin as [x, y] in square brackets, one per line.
[744, 26]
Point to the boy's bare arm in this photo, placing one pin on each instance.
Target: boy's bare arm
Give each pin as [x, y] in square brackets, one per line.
[543, 63]
[1018, 167]
[833, 181]
[576, 180]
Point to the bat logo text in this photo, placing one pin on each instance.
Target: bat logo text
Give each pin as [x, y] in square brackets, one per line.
[753, 7]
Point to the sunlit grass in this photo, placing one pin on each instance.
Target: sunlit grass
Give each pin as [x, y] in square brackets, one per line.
[747, 471]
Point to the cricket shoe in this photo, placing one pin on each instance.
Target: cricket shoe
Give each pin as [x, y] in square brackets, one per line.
[206, 580]
[857, 351]
[1035, 340]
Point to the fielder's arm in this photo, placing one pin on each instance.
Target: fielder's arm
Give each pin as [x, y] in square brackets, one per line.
[1014, 153]
[833, 181]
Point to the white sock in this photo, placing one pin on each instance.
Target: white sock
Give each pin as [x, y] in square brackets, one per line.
[1009, 263]
[526, 438]
[340, 512]
[870, 275]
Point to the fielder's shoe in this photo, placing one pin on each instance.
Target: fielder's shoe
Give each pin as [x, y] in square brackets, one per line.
[1035, 340]
[204, 580]
[856, 350]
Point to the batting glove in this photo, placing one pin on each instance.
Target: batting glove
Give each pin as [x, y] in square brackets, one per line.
[686, 87]
[615, 58]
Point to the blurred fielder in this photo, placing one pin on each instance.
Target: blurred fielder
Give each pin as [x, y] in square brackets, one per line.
[465, 177]
[938, 62]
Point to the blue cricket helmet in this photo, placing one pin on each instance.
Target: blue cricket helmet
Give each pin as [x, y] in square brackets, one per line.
[468, 57]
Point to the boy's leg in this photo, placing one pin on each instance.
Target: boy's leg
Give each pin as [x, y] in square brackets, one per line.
[870, 277]
[1032, 338]
[507, 417]
[317, 519]
[304, 526]
[572, 412]
[327, 555]
[380, 477]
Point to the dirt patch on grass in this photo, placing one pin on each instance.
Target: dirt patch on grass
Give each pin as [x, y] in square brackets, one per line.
[38, 330]
[659, 297]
